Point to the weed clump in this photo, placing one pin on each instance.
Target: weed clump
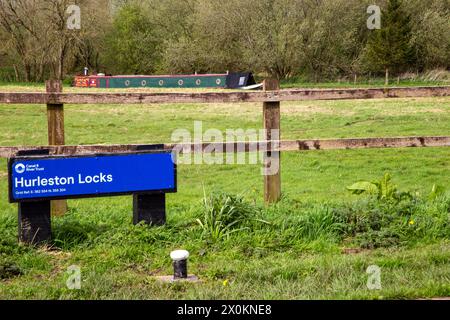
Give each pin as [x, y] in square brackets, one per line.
[9, 270]
[224, 214]
[388, 217]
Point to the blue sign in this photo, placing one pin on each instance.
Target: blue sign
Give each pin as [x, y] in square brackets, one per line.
[84, 176]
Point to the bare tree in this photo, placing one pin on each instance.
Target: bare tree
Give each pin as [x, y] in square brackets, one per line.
[16, 18]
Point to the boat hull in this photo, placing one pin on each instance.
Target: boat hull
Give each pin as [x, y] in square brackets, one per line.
[234, 80]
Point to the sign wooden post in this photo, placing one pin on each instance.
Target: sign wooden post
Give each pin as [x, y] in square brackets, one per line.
[35, 227]
[55, 120]
[271, 116]
[149, 208]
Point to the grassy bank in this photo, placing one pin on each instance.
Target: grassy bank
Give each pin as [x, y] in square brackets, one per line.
[290, 251]
[317, 243]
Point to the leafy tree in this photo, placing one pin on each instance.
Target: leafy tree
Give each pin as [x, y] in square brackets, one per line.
[389, 47]
[133, 45]
[315, 39]
[430, 22]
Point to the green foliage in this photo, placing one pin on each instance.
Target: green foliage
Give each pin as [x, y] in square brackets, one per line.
[317, 40]
[436, 192]
[319, 223]
[389, 48]
[383, 189]
[430, 33]
[391, 217]
[300, 245]
[373, 239]
[132, 45]
[6, 74]
[224, 214]
[288, 38]
[9, 270]
[363, 187]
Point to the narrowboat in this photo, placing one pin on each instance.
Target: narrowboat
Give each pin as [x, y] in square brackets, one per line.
[224, 81]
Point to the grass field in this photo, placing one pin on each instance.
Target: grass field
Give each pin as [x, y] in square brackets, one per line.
[297, 249]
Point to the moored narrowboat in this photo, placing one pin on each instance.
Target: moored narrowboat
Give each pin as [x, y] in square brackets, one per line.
[225, 81]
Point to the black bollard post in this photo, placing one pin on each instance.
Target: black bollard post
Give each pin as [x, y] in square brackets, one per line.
[180, 269]
[179, 258]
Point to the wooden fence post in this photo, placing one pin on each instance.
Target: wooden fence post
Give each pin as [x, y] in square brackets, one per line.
[272, 177]
[55, 120]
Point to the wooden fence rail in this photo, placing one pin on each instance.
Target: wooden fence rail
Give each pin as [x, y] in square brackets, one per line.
[236, 147]
[221, 97]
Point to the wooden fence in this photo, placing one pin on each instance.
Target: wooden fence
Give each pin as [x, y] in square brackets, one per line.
[271, 97]
[221, 97]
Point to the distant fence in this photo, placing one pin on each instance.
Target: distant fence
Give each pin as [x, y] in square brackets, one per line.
[271, 97]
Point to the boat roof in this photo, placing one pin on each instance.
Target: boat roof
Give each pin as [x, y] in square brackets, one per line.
[159, 76]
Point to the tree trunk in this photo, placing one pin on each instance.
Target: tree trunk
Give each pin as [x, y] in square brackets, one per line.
[16, 73]
[386, 82]
[41, 72]
[40, 76]
[59, 75]
[27, 73]
[35, 72]
[62, 55]
[97, 62]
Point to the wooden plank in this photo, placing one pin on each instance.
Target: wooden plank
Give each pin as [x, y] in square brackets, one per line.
[222, 97]
[55, 121]
[365, 143]
[272, 163]
[262, 146]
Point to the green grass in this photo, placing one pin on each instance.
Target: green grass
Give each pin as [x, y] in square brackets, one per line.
[366, 83]
[363, 84]
[87, 124]
[289, 251]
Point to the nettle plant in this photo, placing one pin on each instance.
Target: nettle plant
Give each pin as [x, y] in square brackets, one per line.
[385, 190]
